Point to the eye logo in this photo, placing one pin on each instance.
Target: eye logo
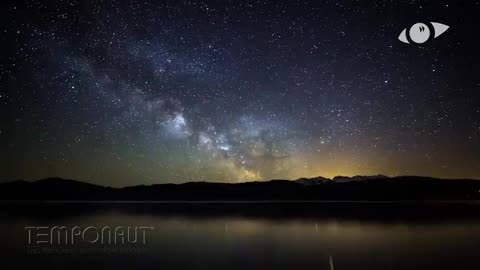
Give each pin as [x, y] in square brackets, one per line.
[420, 32]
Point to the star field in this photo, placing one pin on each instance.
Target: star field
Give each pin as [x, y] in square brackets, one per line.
[141, 92]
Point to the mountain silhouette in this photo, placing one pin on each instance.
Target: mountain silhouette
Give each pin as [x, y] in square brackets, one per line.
[357, 188]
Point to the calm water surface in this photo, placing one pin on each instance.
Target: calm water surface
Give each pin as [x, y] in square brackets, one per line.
[322, 236]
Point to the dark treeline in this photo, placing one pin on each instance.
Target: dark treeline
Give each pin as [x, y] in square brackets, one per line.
[358, 189]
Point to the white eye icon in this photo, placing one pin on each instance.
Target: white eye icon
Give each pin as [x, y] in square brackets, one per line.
[420, 32]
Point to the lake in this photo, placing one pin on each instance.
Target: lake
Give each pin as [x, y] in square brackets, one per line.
[254, 235]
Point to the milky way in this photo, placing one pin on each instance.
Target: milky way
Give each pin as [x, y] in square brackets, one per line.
[134, 92]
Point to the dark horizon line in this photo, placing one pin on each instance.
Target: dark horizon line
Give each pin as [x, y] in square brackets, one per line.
[334, 179]
[360, 188]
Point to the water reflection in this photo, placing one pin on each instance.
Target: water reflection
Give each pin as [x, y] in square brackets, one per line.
[241, 241]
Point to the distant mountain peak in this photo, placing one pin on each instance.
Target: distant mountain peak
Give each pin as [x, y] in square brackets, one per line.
[313, 181]
[358, 178]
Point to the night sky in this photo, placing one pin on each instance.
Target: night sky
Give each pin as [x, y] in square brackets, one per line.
[141, 92]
